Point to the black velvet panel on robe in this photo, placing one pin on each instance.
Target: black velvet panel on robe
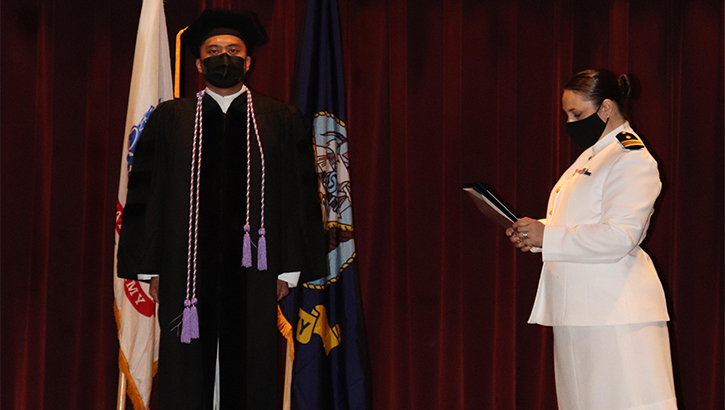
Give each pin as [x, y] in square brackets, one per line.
[236, 305]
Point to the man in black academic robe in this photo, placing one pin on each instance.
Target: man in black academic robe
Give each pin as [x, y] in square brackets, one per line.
[236, 305]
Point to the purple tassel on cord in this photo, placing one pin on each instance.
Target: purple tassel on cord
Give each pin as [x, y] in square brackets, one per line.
[247, 249]
[190, 322]
[262, 251]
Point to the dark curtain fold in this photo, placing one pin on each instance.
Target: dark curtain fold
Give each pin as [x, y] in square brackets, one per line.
[440, 93]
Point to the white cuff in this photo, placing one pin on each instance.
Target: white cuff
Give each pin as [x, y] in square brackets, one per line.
[290, 277]
[146, 276]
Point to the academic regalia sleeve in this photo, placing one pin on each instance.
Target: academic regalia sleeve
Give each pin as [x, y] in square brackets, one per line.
[139, 248]
[305, 238]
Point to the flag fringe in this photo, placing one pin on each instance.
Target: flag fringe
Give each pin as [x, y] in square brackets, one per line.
[285, 328]
[131, 389]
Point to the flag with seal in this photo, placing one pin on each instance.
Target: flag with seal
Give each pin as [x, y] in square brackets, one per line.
[331, 368]
[135, 311]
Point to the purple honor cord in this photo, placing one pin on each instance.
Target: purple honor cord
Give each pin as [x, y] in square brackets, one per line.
[247, 242]
[190, 320]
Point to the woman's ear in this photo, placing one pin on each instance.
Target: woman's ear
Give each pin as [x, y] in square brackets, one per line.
[606, 109]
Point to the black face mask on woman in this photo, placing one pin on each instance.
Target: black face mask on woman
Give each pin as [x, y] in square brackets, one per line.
[223, 71]
[586, 132]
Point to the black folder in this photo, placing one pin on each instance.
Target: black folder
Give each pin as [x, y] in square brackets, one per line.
[489, 205]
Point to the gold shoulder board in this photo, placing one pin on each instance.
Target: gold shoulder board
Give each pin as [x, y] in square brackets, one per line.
[629, 141]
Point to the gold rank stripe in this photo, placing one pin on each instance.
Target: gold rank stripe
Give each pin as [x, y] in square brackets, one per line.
[632, 143]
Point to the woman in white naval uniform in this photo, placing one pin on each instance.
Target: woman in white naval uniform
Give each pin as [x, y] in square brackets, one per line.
[598, 289]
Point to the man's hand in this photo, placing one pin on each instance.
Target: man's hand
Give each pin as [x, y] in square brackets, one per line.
[154, 289]
[282, 289]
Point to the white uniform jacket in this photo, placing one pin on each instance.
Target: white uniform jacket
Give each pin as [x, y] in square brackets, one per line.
[595, 272]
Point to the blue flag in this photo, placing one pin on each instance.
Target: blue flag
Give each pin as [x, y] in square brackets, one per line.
[331, 368]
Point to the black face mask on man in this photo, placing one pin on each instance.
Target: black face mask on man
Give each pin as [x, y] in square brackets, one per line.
[223, 71]
[586, 132]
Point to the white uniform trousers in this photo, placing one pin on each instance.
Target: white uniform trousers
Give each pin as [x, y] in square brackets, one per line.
[622, 367]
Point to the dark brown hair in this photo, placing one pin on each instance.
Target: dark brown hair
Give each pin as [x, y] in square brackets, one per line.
[599, 85]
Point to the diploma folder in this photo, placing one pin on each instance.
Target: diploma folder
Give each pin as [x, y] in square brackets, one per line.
[489, 205]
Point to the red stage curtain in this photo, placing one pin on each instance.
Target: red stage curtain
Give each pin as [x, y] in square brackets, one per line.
[439, 93]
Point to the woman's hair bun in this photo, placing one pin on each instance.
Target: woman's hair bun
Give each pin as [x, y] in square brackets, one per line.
[625, 87]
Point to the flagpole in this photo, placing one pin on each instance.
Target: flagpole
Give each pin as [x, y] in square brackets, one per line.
[287, 403]
[121, 399]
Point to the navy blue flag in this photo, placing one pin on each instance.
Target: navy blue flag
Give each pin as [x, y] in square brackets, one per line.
[331, 368]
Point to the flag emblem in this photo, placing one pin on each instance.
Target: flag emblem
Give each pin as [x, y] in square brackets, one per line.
[317, 323]
[135, 134]
[333, 164]
[138, 298]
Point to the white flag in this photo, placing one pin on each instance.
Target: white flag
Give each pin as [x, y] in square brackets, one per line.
[138, 328]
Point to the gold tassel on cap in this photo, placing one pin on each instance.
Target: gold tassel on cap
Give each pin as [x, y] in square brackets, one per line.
[177, 64]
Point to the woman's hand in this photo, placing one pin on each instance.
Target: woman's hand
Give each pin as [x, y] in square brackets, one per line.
[526, 233]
